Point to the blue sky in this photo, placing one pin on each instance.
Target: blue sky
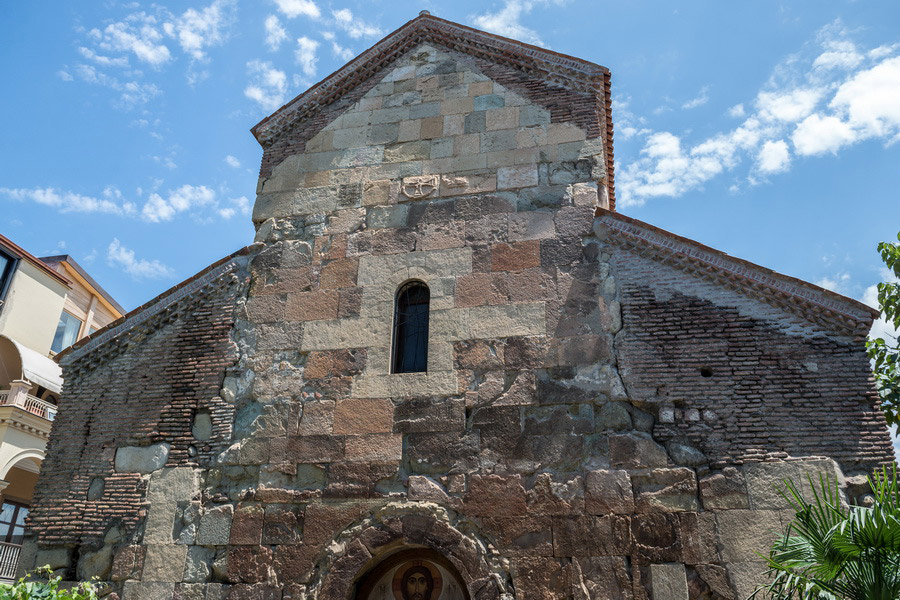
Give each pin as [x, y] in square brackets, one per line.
[766, 129]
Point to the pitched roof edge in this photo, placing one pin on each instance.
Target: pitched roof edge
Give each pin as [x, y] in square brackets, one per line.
[811, 300]
[560, 60]
[67, 258]
[149, 308]
[21, 253]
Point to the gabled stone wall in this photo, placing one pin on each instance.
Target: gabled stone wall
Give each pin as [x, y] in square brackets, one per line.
[562, 443]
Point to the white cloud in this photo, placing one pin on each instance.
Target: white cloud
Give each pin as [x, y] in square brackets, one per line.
[870, 100]
[818, 135]
[737, 111]
[238, 205]
[838, 283]
[354, 27]
[64, 75]
[881, 328]
[185, 198]
[138, 34]
[839, 54]
[267, 85]
[119, 256]
[106, 61]
[830, 95]
[790, 106]
[295, 8]
[506, 22]
[232, 161]
[111, 201]
[774, 157]
[275, 33]
[700, 100]
[197, 30]
[306, 55]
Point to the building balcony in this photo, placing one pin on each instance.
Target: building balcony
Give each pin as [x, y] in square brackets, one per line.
[9, 561]
[27, 402]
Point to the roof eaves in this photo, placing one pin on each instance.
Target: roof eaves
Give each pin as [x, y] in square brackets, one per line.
[807, 296]
[66, 258]
[104, 331]
[21, 253]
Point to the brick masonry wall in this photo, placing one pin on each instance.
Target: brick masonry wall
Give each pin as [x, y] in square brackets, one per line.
[143, 392]
[549, 452]
[739, 379]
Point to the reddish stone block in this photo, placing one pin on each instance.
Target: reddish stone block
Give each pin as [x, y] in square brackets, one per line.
[516, 257]
[247, 525]
[339, 273]
[495, 495]
[250, 564]
[358, 416]
[311, 306]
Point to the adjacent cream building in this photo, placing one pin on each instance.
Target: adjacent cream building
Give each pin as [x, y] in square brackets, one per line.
[45, 306]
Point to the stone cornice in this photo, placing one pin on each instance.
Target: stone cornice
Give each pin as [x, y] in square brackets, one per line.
[809, 301]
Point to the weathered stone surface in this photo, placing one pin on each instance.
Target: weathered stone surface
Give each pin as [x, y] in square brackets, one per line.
[668, 581]
[666, 489]
[164, 563]
[215, 526]
[494, 495]
[591, 536]
[724, 490]
[636, 451]
[744, 534]
[141, 459]
[608, 492]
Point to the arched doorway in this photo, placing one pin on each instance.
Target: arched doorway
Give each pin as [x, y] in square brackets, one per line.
[412, 574]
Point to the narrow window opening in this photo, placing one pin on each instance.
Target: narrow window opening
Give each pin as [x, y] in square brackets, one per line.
[411, 328]
[706, 372]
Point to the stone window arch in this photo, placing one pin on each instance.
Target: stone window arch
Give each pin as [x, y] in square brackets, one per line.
[412, 574]
[410, 333]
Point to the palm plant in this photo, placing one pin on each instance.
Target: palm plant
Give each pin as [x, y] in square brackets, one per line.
[835, 552]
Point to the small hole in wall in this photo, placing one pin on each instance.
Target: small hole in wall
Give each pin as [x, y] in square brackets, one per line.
[706, 372]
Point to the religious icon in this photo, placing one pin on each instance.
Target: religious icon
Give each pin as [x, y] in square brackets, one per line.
[417, 580]
[419, 186]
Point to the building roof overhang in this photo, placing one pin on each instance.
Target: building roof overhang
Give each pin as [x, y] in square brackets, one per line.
[35, 367]
[815, 304]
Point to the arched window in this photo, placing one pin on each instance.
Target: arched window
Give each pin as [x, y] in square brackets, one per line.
[411, 328]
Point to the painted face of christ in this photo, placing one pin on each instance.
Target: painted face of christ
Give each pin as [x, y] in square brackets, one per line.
[417, 584]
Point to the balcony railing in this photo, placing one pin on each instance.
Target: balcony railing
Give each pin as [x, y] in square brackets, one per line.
[29, 403]
[9, 559]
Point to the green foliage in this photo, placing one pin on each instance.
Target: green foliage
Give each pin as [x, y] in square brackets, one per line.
[885, 355]
[31, 587]
[835, 552]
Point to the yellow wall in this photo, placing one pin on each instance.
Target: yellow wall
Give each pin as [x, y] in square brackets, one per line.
[21, 485]
[32, 308]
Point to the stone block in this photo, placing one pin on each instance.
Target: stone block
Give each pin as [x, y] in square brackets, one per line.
[247, 525]
[666, 490]
[429, 414]
[591, 536]
[668, 582]
[636, 451]
[379, 447]
[407, 151]
[358, 416]
[744, 534]
[495, 496]
[515, 257]
[141, 459]
[475, 122]
[517, 177]
[502, 118]
[164, 562]
[613, 416]
[138, 590]
[724, 490]
[486, 101]
[766, 480]
[746, 576]
[215, 526]
[531, 225]
[312, 306]
[608, 492]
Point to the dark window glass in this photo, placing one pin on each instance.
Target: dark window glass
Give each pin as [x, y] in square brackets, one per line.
[66, 332]
[411, 328]
[12, 522]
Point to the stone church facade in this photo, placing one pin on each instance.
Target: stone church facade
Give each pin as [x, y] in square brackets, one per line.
[605, 407]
